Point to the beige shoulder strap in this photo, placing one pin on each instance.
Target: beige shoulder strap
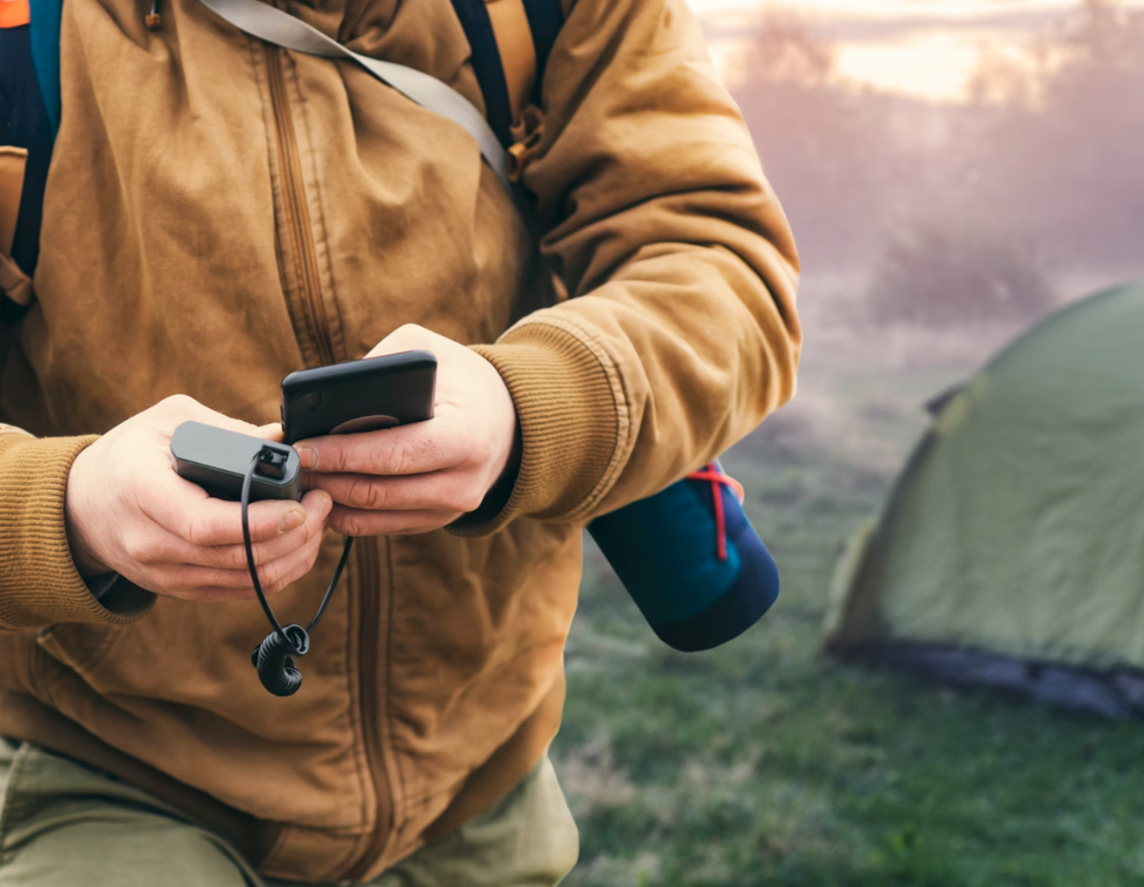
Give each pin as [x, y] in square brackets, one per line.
[517, 52]
[276, 26]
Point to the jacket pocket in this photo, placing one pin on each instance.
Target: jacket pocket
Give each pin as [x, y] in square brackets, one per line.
[82, 647]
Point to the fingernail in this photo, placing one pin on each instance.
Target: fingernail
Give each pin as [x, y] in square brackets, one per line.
[293, 519]
[308, 456]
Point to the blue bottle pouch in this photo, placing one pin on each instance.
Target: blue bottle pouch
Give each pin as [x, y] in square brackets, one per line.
[691, 560]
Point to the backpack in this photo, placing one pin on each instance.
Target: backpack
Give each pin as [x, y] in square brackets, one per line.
[688, 556]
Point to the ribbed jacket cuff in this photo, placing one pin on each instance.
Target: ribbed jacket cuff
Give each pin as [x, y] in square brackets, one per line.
[569, 424]
[39, 583]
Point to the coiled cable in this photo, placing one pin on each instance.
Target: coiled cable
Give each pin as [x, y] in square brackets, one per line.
[274, 657]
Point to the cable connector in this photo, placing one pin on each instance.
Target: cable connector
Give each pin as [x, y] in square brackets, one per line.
[271, 463]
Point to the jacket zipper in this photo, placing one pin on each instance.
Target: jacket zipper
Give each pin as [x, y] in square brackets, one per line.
[371, 617]
[373, 622]
[297, 214]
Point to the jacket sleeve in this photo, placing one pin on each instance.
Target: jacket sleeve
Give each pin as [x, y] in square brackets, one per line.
[681, 333]
[39, 583]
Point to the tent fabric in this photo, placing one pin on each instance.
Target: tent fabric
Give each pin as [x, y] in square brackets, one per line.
[1016, 528]
[1117, 694]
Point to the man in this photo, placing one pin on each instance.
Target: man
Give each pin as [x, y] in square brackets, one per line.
[220, 212]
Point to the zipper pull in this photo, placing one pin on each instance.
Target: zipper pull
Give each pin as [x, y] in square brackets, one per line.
[153, 20]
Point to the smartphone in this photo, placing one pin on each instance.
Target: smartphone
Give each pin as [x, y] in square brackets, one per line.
[359, 395]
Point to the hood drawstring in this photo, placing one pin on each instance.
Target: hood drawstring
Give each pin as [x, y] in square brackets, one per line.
[153, 19]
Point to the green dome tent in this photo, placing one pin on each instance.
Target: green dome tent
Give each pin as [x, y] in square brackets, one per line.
[1010, 551]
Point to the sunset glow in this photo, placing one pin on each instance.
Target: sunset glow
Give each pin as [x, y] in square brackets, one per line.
[926, 48]
[932, 65]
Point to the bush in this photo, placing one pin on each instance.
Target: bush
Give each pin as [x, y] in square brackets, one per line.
[941, 276]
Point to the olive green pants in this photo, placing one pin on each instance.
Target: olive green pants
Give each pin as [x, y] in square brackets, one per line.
[66, 825]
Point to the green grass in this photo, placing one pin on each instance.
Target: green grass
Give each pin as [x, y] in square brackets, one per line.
[764, 763]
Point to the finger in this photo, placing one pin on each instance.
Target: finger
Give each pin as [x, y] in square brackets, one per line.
[355, 522]
[233, 557]
[418, 448]
[410, 337]
[278, 574]
[439, 491]
[195, 582]
[186, 510]
[203, 583]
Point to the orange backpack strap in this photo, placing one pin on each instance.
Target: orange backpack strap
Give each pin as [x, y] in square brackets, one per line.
[14, 13]
[510, 42]
[25, 152]
[13, 160]
[517, 52]
[14, 283]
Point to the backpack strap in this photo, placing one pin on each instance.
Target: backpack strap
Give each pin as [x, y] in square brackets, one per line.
[510, 42]
[45, 40]
[13, 13]
[282, 29]
[545, 19]
[13, 160]
[24, 159]
[517, 52]
[489, 63]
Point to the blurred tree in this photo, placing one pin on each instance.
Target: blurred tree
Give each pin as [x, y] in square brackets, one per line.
[941, 273]
[828, 148]
[1045, 154]
[1056, 152]
[787, 51]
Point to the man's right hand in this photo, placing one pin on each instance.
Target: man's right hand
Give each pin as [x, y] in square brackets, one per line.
[129, 512]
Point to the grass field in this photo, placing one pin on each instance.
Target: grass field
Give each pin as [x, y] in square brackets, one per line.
[763, 763]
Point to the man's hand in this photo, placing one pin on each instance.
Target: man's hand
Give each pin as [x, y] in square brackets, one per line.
[129, 512]
[422, 476]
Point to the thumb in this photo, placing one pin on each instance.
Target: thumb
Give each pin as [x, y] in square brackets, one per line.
[408, 337]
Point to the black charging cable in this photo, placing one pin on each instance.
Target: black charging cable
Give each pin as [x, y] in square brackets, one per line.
[274, 657]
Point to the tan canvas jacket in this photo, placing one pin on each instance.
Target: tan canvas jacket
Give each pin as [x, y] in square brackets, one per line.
[220, 212]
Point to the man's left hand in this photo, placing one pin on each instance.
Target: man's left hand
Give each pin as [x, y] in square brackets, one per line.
[418, 477]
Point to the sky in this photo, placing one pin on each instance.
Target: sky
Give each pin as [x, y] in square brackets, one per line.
[925, 48]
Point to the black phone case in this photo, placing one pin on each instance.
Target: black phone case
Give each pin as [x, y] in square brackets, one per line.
[359, 395]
